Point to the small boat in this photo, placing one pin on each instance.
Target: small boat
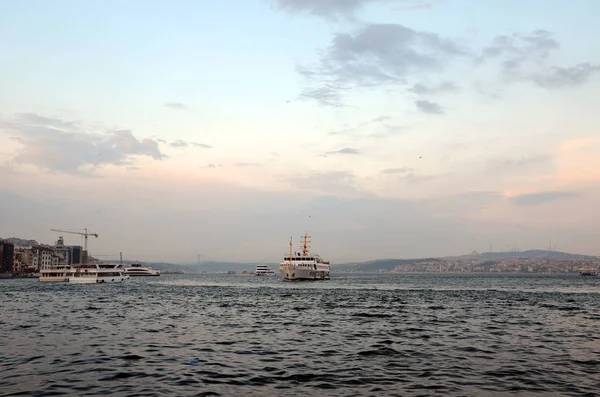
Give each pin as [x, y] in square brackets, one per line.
[94, 273]
[304, 265]
[136, 269]
[264, 270]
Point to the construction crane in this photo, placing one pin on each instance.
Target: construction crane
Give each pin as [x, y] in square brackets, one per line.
[84, 234]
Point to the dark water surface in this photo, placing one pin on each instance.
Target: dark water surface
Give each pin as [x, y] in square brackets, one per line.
[356, 334]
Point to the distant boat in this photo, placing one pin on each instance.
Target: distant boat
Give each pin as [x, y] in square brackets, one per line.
[136, 270]
[588, 272]
[264, 270]
[230, 272]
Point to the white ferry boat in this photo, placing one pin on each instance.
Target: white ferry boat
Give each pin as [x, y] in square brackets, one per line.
[136, 269]
[588, 271]
[93, 273]
[56, 274]
[264, 270]
[304, 265]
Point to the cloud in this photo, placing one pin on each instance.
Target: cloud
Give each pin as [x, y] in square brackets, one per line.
[421, 89]
[327, 9]
[36, 119]
[334, 10]
[346, 131]
[179, 144]
[542, 198]
[414, 5]
[429, 107]
[345, 151]
[211, 165]
[201, 145]
[66, 146]
[176, 105]
[376, 55]
[558, 77]
[403, 170]
[527, 58]
[327, 95]
[380, 119]
[517, 48]
[538, 162]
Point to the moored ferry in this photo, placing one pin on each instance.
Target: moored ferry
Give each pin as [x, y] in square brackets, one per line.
[56, 274]
[93, 273]
[304, 265]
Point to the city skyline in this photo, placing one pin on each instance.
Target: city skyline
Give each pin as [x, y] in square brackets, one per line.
[388, 129]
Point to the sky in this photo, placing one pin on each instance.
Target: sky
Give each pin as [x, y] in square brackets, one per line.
[386, 128]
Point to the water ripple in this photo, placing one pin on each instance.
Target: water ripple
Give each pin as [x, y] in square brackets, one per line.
[408, 335]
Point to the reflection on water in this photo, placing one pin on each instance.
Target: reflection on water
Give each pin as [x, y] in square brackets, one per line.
[354, 335]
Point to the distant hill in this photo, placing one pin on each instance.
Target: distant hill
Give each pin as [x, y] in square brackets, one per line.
[530, 254]
[19, 241]
[384, 264]
[488, 257]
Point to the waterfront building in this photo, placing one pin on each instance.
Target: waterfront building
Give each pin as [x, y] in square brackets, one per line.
[7, 252]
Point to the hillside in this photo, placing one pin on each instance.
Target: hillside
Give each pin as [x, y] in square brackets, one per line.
[530, 254]
[383, 264]
[19, 241]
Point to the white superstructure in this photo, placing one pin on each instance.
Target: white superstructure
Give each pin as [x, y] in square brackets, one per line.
[56, 274]
[93, 273]
[304, 265]
[136, 269]
[264, 270]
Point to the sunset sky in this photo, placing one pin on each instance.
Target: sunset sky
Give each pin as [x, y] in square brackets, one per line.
[402, 128]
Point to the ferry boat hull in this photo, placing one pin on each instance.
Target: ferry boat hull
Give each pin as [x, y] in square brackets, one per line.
[97, 280]
[153, 274]
[57, 279]
[297, 274]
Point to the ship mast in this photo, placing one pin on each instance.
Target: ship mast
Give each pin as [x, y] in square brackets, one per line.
[305, 244]
[290, 250]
